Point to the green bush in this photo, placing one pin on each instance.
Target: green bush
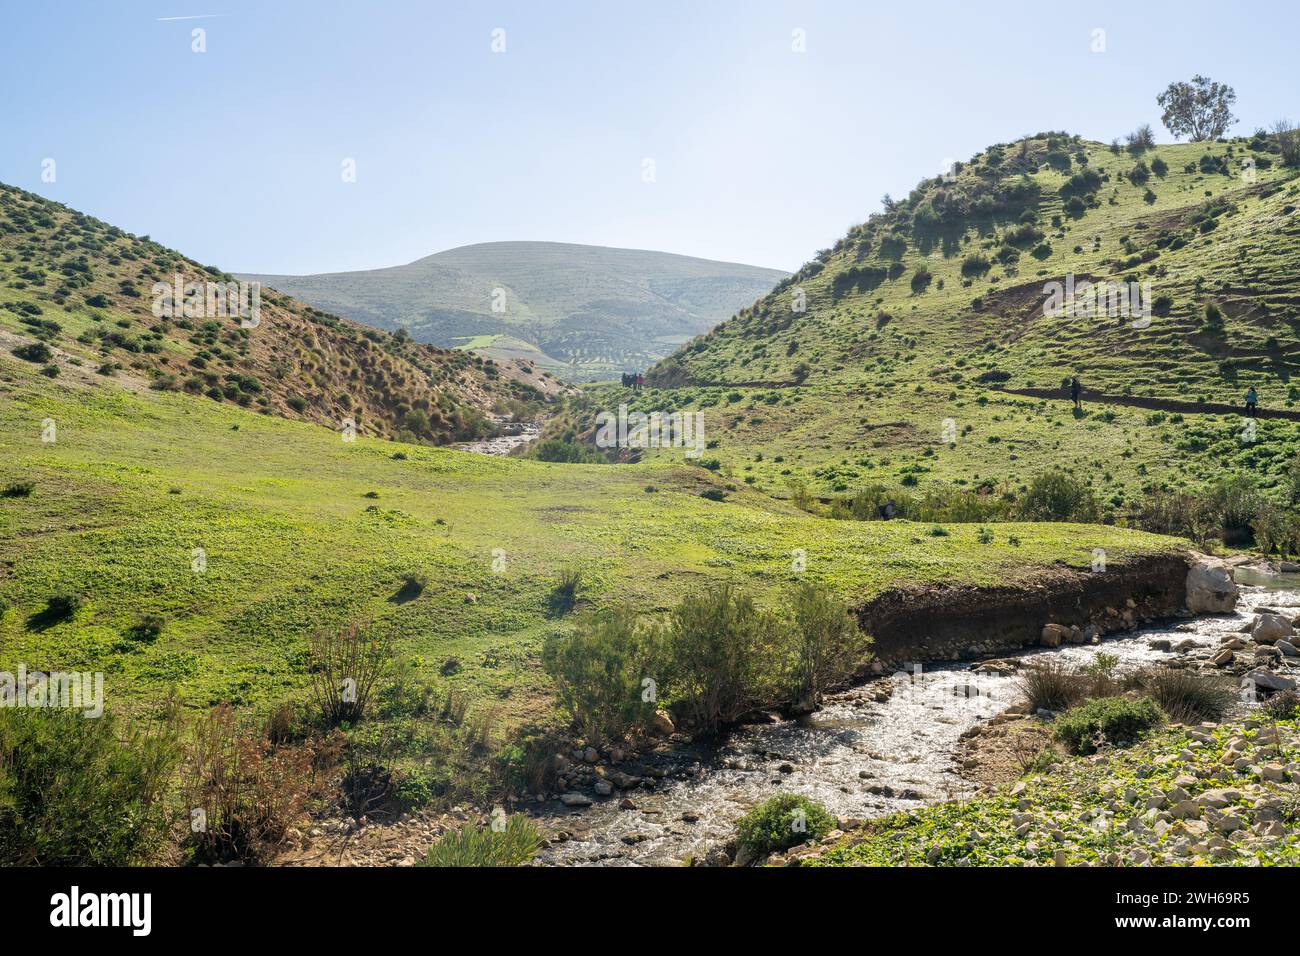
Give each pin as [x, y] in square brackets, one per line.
[18, 489]
[37, 352]
[514, 845]
[782, 822]
[724, 657]
[828, 647]
[73, 792]
[599, 672]
[1113, 720]
[1057, 496]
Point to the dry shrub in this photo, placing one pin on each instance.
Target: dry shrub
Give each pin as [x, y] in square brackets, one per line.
[346, 669]
[243, 792]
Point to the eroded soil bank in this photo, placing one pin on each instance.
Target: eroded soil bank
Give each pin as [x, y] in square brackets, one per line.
[954, 623]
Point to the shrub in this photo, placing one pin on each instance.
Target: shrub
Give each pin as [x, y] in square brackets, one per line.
[37, 352]
[346, 668]
[514, 845]
[1112, 720]
[975, 264]
[921, 279]
[1050, 685]
[79, 792]
[1189, 696]
[243, 792]
[147, 628]
[723, 656]
[62, 606]
[782, 822]
[828, 646]
[564, 592]
[1284, 705]
[599, 672]
[1057, 496]
[18, 489]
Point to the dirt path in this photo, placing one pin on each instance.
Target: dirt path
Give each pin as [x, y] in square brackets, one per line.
[1156, 404]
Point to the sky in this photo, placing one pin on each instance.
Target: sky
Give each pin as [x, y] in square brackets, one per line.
[751, 131]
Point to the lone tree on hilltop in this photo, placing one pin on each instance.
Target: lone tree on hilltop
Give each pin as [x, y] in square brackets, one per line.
[1199, 110]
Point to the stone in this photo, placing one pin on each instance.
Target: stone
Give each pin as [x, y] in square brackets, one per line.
[1267, 680]
[1210, 587]
[575, 799]
[1053, 635]
[661, 725]
[1219, 798]
[1185, 810]
[1162, 644]
[604, 788]
[1223, 658]
[1287, 648]
[1271, 628]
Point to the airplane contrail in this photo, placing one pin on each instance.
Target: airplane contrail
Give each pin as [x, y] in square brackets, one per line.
[201, 16]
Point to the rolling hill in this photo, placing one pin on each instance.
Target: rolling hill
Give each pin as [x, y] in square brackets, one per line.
[919, 350]
[77, 301]
[582, 312]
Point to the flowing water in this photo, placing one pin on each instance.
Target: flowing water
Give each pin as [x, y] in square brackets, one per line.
[514, 434]
[865, 754]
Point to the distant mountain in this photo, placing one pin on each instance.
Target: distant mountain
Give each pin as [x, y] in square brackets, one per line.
[581, 312]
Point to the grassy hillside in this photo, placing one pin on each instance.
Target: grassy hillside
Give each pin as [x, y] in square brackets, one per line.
[591, 311]
[76, 298]
[302, 531]
[848, 372]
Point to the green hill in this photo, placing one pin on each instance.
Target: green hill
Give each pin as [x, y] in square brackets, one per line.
[932, 314]
[77, 302]
[589, 310]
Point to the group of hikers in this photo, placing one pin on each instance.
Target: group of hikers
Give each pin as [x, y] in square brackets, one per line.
[633, 380]
[1076, 395]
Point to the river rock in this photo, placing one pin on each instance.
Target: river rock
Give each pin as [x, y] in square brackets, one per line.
[1223, 658]
[1287, 648]
[1267, 680]
[575, 799]
[1271, 628]
[661, 725]
[1210, 587]
[1053, 635]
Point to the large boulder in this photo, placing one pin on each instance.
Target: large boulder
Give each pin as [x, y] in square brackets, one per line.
[1271, 628]
[1053, 635]
[1264, 679]
[1210, 587]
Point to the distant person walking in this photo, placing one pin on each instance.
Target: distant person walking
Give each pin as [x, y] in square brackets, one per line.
[1076, 390]
[1252, 400]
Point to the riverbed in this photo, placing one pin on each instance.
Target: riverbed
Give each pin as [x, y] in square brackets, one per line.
[888, 745]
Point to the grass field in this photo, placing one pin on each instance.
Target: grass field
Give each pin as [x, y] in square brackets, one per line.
[303, 531]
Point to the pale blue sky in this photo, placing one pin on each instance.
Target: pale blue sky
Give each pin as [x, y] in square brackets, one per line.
[762, 155]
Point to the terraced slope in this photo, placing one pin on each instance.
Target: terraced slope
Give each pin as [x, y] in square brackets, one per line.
[933, 314]
[77, 302]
